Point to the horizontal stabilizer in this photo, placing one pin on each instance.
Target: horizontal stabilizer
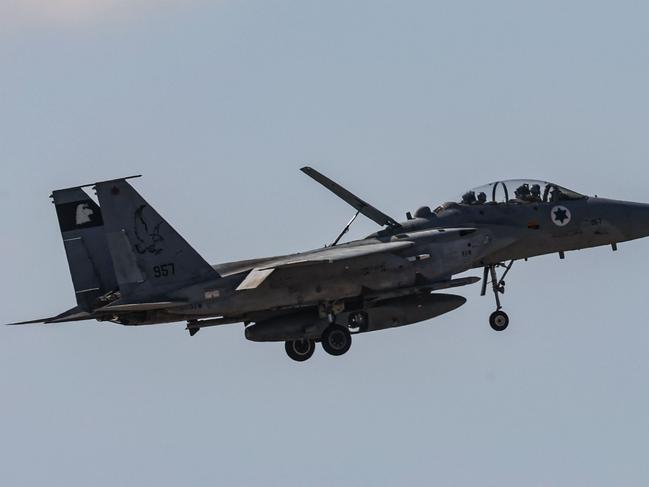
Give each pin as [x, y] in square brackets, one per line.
[132, 307]
[74, 314]
[32, 322]
[350, 198]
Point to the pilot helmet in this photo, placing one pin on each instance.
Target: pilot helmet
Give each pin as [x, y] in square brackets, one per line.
[468, 197]
[523, 190]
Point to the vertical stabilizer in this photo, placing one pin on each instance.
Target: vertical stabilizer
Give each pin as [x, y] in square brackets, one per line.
[82, 228]
[149, 256]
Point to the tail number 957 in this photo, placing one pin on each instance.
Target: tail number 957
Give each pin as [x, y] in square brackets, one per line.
[164, 270]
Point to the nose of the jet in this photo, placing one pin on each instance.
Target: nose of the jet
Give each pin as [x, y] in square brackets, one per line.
[634, 218]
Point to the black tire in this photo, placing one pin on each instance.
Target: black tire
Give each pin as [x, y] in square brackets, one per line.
[499, 320]
[300, 350]
[336, 340]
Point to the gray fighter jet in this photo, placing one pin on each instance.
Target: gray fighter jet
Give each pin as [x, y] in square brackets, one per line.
[129, 265]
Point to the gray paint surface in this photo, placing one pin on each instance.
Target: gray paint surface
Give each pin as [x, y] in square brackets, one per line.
[203, 98]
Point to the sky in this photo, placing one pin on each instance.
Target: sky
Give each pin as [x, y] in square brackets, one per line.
[218, 104]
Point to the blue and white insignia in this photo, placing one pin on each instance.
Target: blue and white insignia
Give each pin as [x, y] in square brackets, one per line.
[561, 216]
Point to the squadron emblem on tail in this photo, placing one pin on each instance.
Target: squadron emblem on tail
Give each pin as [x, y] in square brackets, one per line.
[148, 237]
[84, 214]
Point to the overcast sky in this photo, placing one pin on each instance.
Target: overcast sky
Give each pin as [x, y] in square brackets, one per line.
[409, 103]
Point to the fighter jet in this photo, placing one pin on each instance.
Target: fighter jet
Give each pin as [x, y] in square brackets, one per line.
[129, 266]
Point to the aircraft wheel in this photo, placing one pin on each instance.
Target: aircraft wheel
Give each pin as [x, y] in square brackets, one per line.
[300, 350]
[499, 320]
[336, 340]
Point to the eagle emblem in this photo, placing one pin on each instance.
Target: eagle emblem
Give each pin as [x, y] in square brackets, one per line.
[147, 235]
[84, 214]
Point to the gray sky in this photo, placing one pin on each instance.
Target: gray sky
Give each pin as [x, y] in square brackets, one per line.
[218, 103]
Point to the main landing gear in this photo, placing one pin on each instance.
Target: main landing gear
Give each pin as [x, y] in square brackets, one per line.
[300, 350]
[336, 340]
[499, 320]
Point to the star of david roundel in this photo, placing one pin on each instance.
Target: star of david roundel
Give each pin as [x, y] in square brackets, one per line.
[561, 216]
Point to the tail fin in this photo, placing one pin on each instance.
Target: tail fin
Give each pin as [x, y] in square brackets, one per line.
[149, 256]
[82, 228]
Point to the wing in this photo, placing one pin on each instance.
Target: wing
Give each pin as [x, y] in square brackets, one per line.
[350, 198]
[329, 255]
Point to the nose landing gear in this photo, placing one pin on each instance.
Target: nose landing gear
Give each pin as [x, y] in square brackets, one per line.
[499, 320]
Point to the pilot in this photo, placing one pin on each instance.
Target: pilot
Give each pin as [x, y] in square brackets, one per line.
[482, 198]
[469, 198]
[535, 193]
[556, 195]
[523, 192]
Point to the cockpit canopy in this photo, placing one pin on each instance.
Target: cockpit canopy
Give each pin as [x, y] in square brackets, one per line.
[515, 192]
[519, 191]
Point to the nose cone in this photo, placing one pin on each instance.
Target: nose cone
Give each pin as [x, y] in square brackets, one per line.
[632, 219]
[638, 217]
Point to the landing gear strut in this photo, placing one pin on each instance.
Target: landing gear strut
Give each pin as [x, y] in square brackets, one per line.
[498, 320]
